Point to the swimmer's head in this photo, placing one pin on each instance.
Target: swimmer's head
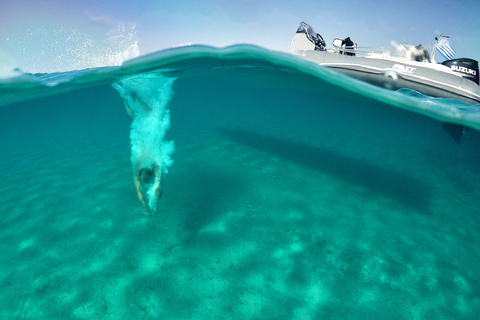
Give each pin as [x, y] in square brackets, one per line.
[146, 175]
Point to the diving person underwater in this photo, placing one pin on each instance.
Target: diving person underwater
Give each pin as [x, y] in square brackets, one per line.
[147, 173]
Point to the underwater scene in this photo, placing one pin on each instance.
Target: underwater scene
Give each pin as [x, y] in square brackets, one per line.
[234, 183]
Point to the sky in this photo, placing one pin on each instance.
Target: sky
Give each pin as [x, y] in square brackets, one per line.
[54, 35]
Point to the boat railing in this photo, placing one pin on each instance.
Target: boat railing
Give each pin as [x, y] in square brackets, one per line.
[354, 50]
[357, 51]
[408, 52]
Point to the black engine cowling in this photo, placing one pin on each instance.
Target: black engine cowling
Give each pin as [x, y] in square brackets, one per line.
[468, 68]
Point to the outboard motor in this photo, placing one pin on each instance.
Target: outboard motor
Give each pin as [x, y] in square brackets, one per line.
[468, 68]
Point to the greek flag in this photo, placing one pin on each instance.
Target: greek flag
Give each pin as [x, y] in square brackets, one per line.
[445, 49]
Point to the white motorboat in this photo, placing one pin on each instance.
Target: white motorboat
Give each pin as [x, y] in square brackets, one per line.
[417, 70]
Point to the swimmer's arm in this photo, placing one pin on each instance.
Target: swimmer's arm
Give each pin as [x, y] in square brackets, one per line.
[127, 99]
[136, 180]
[145, 105]
[129, 110]
[159, 178]
[138, 185]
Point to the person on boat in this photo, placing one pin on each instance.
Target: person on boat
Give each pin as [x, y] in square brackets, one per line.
[147, 174]
[419, 53]
[349, 45]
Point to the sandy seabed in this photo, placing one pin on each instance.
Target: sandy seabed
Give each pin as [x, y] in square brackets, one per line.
[251, 226]
[337, 211]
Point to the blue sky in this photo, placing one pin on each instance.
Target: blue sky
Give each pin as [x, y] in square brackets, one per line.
[32, 27]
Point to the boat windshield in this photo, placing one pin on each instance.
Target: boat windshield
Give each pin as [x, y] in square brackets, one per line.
[312, 35]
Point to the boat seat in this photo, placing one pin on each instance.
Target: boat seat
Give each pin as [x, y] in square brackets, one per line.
[344, 46]
[337, 43]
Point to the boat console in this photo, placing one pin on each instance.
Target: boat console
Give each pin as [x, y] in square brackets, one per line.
[314, 38]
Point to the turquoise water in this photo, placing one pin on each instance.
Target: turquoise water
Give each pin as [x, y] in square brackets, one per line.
[294, 193]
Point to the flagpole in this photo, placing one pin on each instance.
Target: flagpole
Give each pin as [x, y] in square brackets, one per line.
[435, 47]
[444, 47]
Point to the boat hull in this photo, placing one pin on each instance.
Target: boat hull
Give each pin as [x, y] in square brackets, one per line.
[430, 79]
